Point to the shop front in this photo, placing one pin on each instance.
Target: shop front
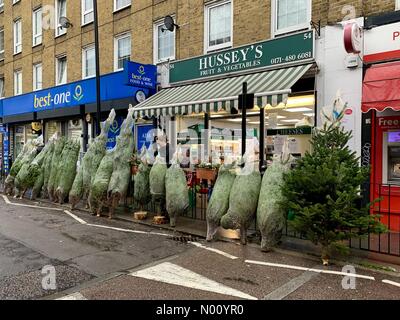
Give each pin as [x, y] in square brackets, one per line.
[68, 109]
[250, 98]
[381, 121]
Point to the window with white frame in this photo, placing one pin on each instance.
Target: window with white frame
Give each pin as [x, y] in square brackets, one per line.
[17, 82]
[17, 36]
[1, 43]
[61, 70]
[88, 62]
[164, 43]
[60, 11]
[122, 50]
[1, 5]
[37, 76]
[87, 11]
[120, 4]
[290, 15]
[397, 5]
[218, 25]
[37, 27]
[2, 87]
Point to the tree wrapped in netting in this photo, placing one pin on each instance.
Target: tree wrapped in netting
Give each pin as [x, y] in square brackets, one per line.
[55, 161]
[141, 189]
[219, 201]
[121, 174]
[177, 196]
[47, 170]
[243, 198]
[98, 190]
[157, 177]
[19, 161]
[271, 216]
[90, 163]
[30, 172]
[324, 192]
[76, 191]
[67, 170]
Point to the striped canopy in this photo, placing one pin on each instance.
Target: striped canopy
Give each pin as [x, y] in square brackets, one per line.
[269, 88]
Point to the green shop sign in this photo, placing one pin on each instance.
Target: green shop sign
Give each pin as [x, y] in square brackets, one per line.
[280, 51]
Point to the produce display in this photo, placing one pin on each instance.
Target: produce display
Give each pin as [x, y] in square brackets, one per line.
[121, 174]
[243, 199]
[177, 197]
[67, 170]
[271, 218]
[219, 201]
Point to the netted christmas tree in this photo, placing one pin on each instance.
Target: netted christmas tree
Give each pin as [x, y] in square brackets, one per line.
[324, 191]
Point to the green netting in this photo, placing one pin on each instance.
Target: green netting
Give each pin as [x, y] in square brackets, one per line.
[219, 201]
[157, 177]
[54, 171]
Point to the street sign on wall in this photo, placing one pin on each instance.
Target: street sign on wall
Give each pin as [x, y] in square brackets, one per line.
[279, 51]
[140, 75]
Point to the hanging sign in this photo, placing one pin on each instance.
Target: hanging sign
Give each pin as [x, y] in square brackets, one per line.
[140, 75]
[352, 38]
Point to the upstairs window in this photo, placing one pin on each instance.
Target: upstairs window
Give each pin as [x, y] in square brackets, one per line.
[1, 43]
[122, 51]
[218, 25]
[17, 82]
[1, 5]
[1, 87]
[37, 27]
[37, 76]
[291, 15]
[120, 4]
[87, 11]
[17, 36]
[164, 43]
[61, 70]
[60, 11]
[89, 62]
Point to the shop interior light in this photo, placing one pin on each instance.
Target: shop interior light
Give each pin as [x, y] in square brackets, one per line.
[236, 120]
[301, 101]
[291, 120]
[310, 114]
[301, 109]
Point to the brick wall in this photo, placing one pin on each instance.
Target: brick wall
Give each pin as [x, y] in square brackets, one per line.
[252, 22]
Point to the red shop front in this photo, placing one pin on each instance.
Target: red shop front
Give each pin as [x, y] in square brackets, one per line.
[381, 99]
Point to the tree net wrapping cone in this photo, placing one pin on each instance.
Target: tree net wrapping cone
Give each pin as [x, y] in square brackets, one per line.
[55, 161]
[219, 201]
[157, 177]
[271, 218]
[67, 170]
[243, 198]
[177, 197]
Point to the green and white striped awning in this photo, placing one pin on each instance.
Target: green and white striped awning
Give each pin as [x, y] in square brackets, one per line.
[270, 88]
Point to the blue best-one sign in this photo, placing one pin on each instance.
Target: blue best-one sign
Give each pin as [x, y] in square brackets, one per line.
[141, 75]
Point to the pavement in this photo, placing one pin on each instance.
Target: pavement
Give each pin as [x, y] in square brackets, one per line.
[101, 259]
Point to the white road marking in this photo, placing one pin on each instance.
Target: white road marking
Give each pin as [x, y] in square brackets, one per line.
[73, 296]
[396, 284]
[199, 245]
[117, 229]
[75, 217]
[173, 274]
[287, 266]
[27, 205]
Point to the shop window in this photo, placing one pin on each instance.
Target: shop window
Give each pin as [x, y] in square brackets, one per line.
[60, 11]
[164, 43]
[290, 15]
[37, 76]
[61, 70]
[121, 4]
[87, 12]
[37, 27]
[88, 62]
[17, 82]
[218, 26]
[1, 43]
[17, 36]
[51, 128]
[122, 51]
[1, 87]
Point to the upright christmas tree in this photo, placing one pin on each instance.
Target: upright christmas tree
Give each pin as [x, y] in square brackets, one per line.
[324, 191]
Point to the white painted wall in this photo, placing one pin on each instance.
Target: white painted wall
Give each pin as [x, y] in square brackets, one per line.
[332, 58]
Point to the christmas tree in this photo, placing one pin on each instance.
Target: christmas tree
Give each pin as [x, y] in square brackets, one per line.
[324, 191]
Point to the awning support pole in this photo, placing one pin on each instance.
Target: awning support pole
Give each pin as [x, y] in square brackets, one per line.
[206, 135]
[244, 116]
[262, 137]
[97, 58]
